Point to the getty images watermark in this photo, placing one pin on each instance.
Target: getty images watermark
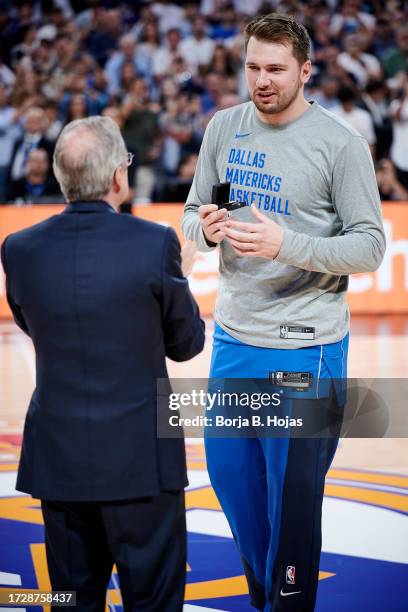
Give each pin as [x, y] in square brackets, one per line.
[292, 406]
[227, 409]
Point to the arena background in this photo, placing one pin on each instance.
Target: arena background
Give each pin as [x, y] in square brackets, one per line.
[161, 69]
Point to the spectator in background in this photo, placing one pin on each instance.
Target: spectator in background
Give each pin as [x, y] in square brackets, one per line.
[350, 19]
[85, 78]
[141, 131]
[223, 66]
[170, 15]
[327, 91]
[221, 62]
[214, 87]
[224, 23]
[35, 126]
[26, 90]
[177, 188]
[227, 100]
[19, 37]
[36, 185]
[127, 77]
[197, 50]
[77, 108]
[165, 54]
[128, 52]
[52, 51]
[116, 115]
[7, 76]
[374, 100]
[169, 91]
[209, 7]
[383, 40]
[357, 117]
[104, 34]
[54, 123]
[396, 60]
[180, 73]
[399, 148]
[388, 185]
[144, 16]
[66, 48]
[9, 132]
[178, 125]
[362, 66]
[43, 57]
[149, 44]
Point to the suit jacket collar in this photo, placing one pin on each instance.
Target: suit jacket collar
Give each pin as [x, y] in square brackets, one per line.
[79, 206]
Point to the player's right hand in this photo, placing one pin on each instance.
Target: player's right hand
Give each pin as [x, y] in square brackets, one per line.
[213, 222]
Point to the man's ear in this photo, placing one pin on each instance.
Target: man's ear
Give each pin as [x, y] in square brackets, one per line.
[306, 72]
[116, 185]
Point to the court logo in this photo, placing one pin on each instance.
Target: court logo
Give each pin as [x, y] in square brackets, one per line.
[290, 574]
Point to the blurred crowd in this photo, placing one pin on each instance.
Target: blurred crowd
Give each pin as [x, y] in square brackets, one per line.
[161, 69]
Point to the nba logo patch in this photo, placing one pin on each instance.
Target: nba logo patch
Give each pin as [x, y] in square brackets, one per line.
[290, 574]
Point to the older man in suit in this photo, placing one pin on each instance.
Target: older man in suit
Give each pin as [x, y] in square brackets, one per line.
[33, 137]
[104, 299]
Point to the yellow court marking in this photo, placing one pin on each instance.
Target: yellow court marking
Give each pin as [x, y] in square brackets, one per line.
[211, 589]
[324, 575]
[8, 467]
[196, 465]
[383, 499]
[204, 498]
[24, 509]
[377, 478]
[113, 598]
[41, 570]
[225, 587]
[28, 510]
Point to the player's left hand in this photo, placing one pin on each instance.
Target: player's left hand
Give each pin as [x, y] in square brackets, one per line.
[262, 239]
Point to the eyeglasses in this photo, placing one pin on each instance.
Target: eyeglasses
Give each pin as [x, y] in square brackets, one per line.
[130, 158]
[127, 162]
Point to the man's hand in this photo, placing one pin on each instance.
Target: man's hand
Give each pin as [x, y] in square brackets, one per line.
[213, 222]
[188, 251]
[261, 239]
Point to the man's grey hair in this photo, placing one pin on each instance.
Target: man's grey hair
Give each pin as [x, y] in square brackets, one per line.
[87, 153]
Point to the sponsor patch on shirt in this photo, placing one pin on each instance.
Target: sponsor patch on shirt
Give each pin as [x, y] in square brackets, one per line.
[297, 332]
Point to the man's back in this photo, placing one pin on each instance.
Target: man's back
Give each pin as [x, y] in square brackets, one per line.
[103, 299]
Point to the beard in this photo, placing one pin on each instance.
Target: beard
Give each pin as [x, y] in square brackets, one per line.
[279, 103]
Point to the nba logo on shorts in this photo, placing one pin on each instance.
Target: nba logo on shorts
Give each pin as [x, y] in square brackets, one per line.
[290, 574]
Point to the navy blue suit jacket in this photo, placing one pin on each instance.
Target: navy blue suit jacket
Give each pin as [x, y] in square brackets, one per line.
[103, 298]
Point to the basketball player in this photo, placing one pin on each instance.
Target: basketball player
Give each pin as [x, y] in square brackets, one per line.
[313, 217]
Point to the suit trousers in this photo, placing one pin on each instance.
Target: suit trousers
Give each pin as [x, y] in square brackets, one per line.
[145, 537]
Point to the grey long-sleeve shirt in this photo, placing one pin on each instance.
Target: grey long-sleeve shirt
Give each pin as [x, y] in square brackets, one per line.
[315, 177]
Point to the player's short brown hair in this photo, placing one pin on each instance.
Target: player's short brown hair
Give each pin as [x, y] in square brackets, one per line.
[278, 28]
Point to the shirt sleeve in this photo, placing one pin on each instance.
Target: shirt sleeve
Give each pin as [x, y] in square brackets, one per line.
[361, 245]
[205, 177]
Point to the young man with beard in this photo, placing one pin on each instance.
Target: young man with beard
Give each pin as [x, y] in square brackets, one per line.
[313, 217]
